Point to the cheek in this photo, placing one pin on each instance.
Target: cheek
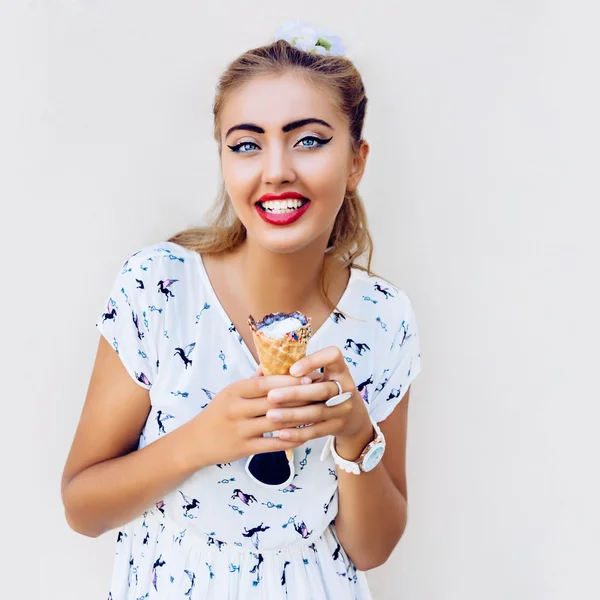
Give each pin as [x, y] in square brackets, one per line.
[328, 188]
[240, 180]
[235, 172]
[326, 177]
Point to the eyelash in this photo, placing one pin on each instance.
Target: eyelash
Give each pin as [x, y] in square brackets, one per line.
[321, 142]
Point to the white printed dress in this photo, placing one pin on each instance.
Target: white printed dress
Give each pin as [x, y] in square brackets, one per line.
[219, 535]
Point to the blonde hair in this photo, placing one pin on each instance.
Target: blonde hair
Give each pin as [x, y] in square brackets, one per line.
[350, 238]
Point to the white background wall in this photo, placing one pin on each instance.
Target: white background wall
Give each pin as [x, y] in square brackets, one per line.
[482, 188]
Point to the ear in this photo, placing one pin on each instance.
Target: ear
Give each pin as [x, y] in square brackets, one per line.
[359, 162]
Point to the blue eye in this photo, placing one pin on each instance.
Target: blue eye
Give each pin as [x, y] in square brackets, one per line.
[318, 143]
[237, 148]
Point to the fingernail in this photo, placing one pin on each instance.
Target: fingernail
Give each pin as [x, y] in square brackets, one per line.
[305, 380]
[284, 435]
[295, 370]
[276, 395]
[274, 415]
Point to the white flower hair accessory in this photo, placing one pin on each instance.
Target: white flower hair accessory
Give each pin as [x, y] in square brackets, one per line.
[310, 39]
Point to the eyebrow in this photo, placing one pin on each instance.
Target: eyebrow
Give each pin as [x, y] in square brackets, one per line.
[286, 128]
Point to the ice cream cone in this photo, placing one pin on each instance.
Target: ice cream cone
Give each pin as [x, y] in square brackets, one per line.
[279, 350]
[278, 353]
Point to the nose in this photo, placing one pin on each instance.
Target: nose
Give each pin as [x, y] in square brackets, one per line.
[277, 166]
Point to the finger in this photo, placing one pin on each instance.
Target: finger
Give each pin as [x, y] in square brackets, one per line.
[259, 425]
[256, 387]
[250, 408]
[271, 444]
[306, 415]
[300, 394]
[258, 372]
[300, 435]
[312, 377]
[331, 358]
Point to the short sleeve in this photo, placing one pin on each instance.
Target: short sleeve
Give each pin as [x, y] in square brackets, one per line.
[399, 368]
[127, 319]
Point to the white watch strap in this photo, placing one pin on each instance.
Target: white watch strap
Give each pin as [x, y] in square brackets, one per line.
[342, 463]
[347, 465]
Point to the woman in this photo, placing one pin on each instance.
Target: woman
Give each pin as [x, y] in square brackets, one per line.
[179, 412]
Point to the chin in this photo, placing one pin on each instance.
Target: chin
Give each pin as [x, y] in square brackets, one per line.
[283, 243]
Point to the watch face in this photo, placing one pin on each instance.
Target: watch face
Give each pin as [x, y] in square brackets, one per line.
[372, 458]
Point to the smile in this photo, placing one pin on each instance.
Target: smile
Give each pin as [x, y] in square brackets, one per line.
[282, 212]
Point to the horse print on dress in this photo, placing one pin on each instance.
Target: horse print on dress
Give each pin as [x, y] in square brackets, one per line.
[385, 291]
[111, 311]
[328, 504]
[285, 565]
[290, 489]
[362, 388]
[395, 393]
[163, 287]
[383, 382]
[211, 541]
[405, 335]
[253, 533]
[133, 571]
[192, 577]
[336, 316]
[313, 547]
[141, 377]
[135, 320]
[184, 353]
[178, 538]
[210, 395]
[161, 417]
[190, 504]
[336, 552]
[159, 562]
[140, 284]
[243, 497]
[356, 347]
[255, 570]
[302, 529]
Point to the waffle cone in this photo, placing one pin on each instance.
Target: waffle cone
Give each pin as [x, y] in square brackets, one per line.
[277, 355]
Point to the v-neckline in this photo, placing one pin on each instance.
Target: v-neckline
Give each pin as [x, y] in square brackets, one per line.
[229, 322]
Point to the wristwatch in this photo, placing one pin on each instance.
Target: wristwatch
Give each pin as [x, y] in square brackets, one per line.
[369, 458]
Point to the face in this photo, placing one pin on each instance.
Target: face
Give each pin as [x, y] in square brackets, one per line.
[273, 153]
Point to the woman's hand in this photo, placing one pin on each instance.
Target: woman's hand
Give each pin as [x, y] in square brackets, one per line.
[232, 425]
[304, 405]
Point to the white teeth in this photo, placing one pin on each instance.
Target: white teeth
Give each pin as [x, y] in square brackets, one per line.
[282, 206]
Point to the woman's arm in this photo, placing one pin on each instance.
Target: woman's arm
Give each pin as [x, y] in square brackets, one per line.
[106, 482]
[372, 507]
[372, 510]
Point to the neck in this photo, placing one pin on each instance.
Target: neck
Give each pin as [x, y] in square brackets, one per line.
[281, 282]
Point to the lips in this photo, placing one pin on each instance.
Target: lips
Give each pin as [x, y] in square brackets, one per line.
[285, 195]
[284, 218]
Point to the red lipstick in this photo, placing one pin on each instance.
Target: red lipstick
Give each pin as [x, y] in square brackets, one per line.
[281, 219]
